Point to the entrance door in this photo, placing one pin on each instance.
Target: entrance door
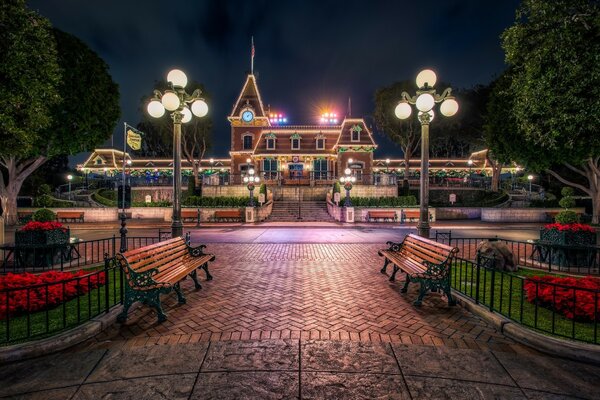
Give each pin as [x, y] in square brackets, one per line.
[296, 171]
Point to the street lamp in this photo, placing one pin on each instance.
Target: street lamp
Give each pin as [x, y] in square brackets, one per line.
[69, 178]
[178, 102]
[470, 162]
[530, 178]
[348, 180]
[250, 180]
[424, 101]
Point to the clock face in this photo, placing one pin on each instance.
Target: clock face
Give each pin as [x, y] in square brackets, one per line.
[247, 116]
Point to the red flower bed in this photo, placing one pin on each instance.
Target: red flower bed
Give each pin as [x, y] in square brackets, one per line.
[25, 301]
[567, 299]
[43, 226]
[575, 227]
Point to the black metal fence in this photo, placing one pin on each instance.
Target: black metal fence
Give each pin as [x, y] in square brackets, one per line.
[583, 260]
[559, 309]
[74, 255]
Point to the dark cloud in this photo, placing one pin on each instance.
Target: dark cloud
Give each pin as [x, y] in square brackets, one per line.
[308, 53]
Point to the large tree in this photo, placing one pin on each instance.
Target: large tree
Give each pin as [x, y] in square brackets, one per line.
[405, 133]
[57, 98]
[30, 77]
[553, 50]
[195, 135]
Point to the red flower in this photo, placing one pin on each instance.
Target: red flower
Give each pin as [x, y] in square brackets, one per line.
[43, 226]
[31, 293]
[571, 297]
[575, 227]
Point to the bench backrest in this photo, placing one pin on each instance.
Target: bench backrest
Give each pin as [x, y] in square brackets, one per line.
[158, 255]
[421, 249]
[382, 213]
[69, 214]
[228, 213]
[193, 212]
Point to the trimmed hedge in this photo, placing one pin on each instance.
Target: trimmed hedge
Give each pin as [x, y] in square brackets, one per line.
[107, 198]
[197, 201]
[46, 200]
[402, 201]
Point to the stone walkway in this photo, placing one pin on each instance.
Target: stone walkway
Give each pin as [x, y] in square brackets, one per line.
[304, 291]
[288, 369]
[310, 321]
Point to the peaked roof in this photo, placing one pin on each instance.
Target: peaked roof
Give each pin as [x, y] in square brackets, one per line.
[251, 96]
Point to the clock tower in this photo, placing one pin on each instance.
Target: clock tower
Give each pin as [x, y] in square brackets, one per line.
[247, 119]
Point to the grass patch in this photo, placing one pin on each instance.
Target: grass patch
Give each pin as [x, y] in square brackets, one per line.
[505, 294]
[66, 316]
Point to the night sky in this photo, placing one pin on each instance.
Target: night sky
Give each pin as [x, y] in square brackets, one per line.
[309, 54]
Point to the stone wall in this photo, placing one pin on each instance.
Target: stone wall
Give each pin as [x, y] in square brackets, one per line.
[361, 213]
[227, 191]
[263, 212]
[449, 213]
[520, 214]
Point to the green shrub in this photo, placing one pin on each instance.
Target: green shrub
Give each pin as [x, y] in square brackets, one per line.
[43, 215]
[567, 217]
[567, 191]
[546, 203]
[44, 189]
[47, 200]
[98, 196]
[567, 201]
[401, 201]
[215, 202]
[263, 189]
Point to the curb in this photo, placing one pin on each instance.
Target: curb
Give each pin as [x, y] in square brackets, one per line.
[23, 351]
[582, 352]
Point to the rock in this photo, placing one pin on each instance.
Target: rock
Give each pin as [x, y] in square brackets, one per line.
[505, 260]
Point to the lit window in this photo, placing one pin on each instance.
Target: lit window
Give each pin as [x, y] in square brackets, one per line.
[320, 144]
[295, 144]
[248, 142]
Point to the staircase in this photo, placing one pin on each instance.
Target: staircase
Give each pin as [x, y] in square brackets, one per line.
[287, 211]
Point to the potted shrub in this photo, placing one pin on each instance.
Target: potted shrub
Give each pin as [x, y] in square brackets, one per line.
[42, 230]
[575, 234]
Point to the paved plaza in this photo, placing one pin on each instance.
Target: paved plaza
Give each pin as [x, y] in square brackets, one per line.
[284, 320]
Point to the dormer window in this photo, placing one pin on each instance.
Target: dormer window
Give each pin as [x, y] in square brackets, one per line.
[320, 144]
[355, 133]
[295, 141]
[270, 141]
[247, 141]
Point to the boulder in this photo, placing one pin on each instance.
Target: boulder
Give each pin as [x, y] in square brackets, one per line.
[504, 258]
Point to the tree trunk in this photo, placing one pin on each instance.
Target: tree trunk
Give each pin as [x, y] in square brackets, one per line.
[16, 172]
[496, 171]
[596, 208]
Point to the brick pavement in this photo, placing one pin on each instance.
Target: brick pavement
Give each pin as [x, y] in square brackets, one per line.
[303, 291]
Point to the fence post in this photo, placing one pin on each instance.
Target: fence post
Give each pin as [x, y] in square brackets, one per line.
[123, 232]
[478, 266]
[106, 280]
[492, 289]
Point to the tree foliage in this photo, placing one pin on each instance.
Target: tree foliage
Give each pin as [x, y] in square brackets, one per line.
[554, 53]
[30, 77]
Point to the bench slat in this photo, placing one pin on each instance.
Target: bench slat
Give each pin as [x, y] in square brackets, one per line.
[159, 263]
[145, 249]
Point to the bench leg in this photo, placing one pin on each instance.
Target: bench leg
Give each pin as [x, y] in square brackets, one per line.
[393, 276]
[122, 317]
[384, 269]
[153, 300]
[208, 275]
[422, 292]
[194, 276]
[405, 287]
[448, 291]
[180, 296]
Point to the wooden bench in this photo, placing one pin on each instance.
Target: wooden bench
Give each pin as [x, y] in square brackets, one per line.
[192, 215]
[228, 215]
[65, 216]
[384, 215]
[423, 261]
[412, 215]
[159, 268]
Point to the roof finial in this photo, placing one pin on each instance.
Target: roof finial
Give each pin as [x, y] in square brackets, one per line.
[252, 57]
[349, 107]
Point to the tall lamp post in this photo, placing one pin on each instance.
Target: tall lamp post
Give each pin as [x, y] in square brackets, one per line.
[70, 178]
[424, 100]
[530, 178]
[177, 101]
[250, 180]
[348, 180]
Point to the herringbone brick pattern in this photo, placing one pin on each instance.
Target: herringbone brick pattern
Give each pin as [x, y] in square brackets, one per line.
[316, 291]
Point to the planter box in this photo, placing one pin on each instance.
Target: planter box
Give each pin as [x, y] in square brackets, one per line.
[568, 237]
[41, 238]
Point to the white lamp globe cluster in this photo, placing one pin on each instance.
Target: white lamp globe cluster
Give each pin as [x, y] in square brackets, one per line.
[170, 100]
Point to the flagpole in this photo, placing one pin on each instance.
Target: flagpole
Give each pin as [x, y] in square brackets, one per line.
[252, 57]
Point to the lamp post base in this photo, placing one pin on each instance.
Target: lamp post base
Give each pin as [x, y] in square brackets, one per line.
[176, 229]
[423, 229]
